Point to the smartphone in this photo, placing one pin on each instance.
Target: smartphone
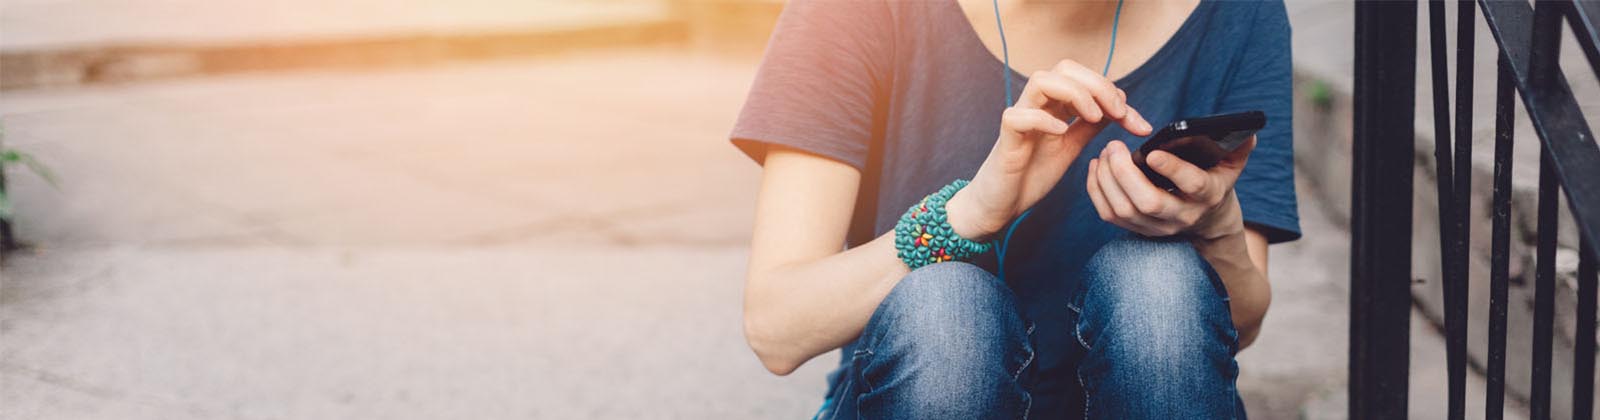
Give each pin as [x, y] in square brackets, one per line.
[1203, 141]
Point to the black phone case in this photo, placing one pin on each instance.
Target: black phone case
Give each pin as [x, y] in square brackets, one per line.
[1203, 141]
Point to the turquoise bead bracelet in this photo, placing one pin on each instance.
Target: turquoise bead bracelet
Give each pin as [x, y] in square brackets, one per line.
[923, 236]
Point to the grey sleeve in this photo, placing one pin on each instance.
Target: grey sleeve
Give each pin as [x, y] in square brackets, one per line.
[816, 87]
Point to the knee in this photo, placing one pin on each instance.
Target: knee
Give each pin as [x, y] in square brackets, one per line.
[1156, 298]
[954, 305]
[946, 340]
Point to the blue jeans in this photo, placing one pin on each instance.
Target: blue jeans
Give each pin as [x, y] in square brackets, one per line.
[1155, 341]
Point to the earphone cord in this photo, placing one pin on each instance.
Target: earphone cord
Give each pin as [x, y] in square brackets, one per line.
[1005, 54]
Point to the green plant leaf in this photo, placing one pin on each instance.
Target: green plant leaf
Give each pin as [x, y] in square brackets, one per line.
[1320, 94]
[33, 164]
[42, 171]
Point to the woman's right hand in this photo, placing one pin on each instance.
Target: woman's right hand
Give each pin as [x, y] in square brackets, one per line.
[1036, 145]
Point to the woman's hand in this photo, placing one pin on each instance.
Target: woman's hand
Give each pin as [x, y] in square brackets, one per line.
[1037, 144]
[1204, 205]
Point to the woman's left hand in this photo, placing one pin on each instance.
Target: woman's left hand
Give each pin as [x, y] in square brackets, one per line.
[1204, 205]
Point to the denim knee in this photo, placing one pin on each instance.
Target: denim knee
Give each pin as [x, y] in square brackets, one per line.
[945, 343]
[947, 320]
[1160, 292]
[1158, 334]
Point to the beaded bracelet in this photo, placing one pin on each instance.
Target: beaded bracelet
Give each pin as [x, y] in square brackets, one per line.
[923, 236]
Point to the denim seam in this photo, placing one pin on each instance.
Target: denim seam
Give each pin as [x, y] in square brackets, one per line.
[1025, 362]
[1077, 334]
[1027, 405]
[1085, 387]
[1027, 400]
[845, 381]
[863, 373]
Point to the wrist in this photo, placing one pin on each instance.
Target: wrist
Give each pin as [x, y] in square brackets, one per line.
[1227, 253]
[925, 235]
[967, 220]
[1224, 221]
[1222, 241]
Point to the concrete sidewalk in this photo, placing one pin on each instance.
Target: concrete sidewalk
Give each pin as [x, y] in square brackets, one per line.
[417, 333]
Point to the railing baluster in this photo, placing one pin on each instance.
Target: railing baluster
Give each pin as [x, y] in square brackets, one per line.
[1500, 259]
[1543, 73]
[1450, 226]
[1380, 217]
[1441, 135]
[1456, 295]
[1583, 348]
[1544, 296]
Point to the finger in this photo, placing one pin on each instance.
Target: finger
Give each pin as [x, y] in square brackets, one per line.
[1240, 155]
[1193, 181]
[1116, 199]
[1025, 120]
[1145, 196]
[1105, 92]
[1113, 99]
[1125, 215]
[1095, 196]
[1135, 123]
[1044, 86]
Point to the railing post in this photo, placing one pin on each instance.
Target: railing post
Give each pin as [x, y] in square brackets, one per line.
[1380, 257]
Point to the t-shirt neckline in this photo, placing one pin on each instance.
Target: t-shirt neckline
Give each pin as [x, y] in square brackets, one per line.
[1126, 80]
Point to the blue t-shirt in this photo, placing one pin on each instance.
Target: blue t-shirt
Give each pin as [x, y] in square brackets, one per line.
[909, 85]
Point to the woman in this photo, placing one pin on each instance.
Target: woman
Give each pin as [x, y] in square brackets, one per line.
[1113, 298]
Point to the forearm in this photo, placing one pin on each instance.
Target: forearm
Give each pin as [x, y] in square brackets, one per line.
[1249, 292]
[796, 311]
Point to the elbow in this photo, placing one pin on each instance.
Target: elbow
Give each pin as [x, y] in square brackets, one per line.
[778, 366]
[768, 347]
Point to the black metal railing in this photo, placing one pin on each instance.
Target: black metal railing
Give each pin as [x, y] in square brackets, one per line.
[1529, 45]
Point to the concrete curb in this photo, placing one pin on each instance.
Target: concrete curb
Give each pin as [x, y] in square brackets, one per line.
[123, 63]
[719, 25]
